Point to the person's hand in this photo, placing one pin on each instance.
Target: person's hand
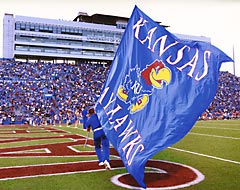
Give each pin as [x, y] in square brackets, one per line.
[88, 129]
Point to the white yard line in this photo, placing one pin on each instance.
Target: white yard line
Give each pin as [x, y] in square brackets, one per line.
[218, 123]
[205, 155]
[229, 124]
[217, 136]
[217, 128]
[29, 151]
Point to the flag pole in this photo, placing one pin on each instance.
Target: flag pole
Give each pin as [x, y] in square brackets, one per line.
[233, 61]
[86, 139]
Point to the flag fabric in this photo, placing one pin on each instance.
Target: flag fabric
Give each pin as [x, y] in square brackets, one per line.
[156, 89]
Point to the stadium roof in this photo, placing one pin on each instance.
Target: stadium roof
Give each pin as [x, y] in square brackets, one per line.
[102, 19]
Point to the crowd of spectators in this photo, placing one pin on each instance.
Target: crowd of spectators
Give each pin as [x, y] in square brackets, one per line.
[226, 103]
[43, 93]
[49, 93]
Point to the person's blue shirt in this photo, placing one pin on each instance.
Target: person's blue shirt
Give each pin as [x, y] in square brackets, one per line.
[93, 121]
[95, 124]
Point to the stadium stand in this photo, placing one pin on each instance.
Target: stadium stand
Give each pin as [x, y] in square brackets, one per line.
[39, 93]
[48, 94]
[226, 103]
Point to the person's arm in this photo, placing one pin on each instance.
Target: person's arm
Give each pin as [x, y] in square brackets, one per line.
[89, 129]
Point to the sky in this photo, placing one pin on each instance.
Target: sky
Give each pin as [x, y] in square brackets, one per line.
[216, 19]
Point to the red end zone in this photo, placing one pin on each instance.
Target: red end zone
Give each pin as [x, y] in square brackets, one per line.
[161, 174]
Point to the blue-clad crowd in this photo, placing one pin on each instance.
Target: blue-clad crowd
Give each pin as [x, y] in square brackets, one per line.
[52, 93]
[226, 103]
[47, 93]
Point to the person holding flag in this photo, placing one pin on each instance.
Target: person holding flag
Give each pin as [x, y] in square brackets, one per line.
[101, 142]
[157, 88]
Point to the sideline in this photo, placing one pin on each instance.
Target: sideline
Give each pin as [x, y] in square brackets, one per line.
[218, 136]
[204, 155]
[202, 126]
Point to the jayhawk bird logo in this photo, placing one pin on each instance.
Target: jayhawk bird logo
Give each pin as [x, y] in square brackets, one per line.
[138, 85]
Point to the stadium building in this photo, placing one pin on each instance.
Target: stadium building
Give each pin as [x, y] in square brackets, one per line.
[92, 39]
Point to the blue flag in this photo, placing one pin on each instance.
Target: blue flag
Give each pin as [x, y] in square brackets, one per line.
[157, 88]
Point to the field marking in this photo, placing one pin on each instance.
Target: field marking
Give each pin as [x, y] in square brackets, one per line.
[214, 122]
[205, 155]
[228, 124]
[71, 156]
[47, 164]
[46, 150]
[216, 128]
[218, 136]
[200, 177]
[25, 146]
[53, 174]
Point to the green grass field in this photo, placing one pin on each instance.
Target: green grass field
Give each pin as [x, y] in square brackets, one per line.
[212, 147]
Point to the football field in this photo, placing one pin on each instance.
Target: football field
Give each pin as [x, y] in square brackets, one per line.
[55, 158]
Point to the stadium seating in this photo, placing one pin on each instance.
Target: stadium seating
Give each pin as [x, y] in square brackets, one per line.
[47, 93]
[226, 103]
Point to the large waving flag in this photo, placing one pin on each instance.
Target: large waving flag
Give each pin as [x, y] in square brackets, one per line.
[157, 88]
